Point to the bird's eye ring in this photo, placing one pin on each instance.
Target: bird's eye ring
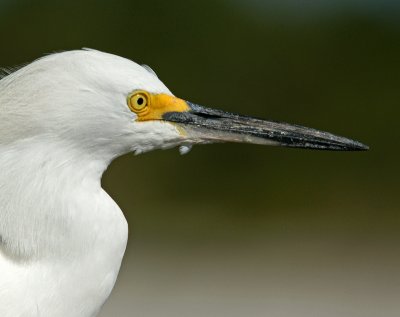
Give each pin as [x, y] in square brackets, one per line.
[138, 101]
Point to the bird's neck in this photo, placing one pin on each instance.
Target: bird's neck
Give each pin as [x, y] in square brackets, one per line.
[51, 198]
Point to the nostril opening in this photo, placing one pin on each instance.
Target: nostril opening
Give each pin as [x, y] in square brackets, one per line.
[208, 115]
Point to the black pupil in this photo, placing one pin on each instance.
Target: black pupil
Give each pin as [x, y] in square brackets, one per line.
[140, 101]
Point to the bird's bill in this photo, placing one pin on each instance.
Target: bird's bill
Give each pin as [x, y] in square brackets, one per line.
[202, 124]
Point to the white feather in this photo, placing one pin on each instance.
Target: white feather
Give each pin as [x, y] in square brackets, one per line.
[64, 118]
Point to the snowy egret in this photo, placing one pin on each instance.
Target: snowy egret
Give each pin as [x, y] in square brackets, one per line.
[64, 118]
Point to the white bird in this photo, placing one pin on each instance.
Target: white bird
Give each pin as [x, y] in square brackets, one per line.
[63, 119]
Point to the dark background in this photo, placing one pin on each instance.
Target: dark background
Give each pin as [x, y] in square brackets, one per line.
[241, 230]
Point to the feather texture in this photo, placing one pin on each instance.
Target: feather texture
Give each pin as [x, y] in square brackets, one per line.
[63, 119]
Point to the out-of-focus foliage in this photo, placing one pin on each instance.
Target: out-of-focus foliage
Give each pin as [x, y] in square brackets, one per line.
[338, 71]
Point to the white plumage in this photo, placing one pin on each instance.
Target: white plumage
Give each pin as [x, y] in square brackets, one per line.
[63, 119]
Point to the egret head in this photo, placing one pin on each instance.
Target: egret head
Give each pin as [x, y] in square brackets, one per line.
[110, 104]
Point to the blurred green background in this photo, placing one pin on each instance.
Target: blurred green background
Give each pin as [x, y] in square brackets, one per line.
[241, 230]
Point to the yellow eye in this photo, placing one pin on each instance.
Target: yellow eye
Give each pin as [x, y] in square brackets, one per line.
[138, 101]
